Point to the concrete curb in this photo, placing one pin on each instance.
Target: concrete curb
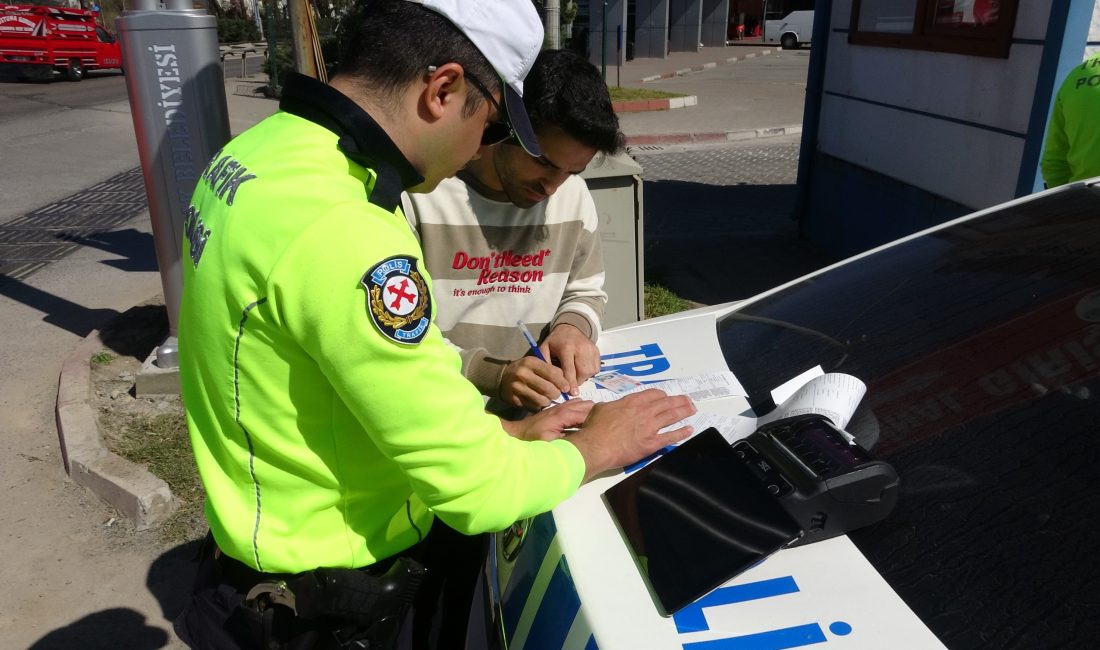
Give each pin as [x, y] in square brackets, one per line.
[712, 138]
[665, 104]
[706, 66]
[132, 489]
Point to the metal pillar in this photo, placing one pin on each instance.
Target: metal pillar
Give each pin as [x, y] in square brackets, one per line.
[177, 98]
[553, 24]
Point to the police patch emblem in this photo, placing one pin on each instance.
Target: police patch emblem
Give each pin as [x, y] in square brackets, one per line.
[398, 299]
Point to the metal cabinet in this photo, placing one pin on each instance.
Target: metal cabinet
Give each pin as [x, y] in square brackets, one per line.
[616, 186]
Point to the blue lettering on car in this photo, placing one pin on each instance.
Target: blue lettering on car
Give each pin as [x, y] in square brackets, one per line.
[652, 361]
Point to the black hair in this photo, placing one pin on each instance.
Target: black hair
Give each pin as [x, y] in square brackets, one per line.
[388, 44]
[564, 90]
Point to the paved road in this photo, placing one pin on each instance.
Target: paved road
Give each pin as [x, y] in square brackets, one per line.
[763, 92]
[61, 137]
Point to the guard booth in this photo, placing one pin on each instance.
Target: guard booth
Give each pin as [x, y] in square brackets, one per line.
[616, 186]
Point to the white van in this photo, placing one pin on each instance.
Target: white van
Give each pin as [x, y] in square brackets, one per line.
[790, 31]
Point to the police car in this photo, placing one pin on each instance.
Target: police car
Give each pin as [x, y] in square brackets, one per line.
[979, 345]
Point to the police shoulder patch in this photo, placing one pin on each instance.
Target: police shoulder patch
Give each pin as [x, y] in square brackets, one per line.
[398, 300]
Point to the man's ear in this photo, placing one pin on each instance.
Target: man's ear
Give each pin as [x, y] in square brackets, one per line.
[441, 92]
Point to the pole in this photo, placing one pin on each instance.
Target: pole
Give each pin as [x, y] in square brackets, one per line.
[256, 18]
[177, 99]
[603, 45]
[553, 23]
[619, 56]
[272, 49]
[304, 59]
[764, 23]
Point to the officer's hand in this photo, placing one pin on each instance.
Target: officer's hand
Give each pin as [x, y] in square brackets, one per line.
[551, 423]
[531, 384]
[624, 431]
[576, 355]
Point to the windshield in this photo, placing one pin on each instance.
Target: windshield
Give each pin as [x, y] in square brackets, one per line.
[980, 348]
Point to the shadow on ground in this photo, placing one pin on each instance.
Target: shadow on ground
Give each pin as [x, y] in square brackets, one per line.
[715, 243]
[169, 580]
[138, 330]
[134, 253]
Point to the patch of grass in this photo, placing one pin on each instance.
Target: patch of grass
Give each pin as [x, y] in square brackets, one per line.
[161, 443]
[659, 301]
[628, 94]
[101, 358]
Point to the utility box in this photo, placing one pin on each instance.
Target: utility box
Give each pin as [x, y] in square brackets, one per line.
[616, 186]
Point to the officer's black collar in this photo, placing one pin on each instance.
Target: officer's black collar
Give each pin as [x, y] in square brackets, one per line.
[361, 138]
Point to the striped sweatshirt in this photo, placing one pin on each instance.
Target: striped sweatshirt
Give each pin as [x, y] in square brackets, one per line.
[494, 263]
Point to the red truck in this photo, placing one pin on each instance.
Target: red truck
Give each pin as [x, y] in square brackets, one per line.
[36, 40]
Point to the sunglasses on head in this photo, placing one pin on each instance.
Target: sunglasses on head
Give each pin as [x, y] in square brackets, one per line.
[495, 132]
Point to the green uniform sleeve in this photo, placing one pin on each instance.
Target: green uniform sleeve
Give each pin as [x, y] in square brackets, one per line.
[1055, 163]
[418, 410]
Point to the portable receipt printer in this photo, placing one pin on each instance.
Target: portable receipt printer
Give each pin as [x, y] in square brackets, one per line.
[707, 511]
[827, 482]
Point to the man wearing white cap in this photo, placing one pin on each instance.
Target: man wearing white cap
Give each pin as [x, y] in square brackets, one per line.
[344, 456]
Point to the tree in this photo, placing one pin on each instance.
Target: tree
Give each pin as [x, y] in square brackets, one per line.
[569, 12]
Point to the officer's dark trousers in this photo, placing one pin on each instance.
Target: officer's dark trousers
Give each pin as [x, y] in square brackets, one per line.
[213, 618]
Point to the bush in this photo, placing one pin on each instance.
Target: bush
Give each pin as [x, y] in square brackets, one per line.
[237, 30]
[109, 11]
[283, 56]
[330, 51]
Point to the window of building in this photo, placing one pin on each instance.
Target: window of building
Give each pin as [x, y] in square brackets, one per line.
[975, 27]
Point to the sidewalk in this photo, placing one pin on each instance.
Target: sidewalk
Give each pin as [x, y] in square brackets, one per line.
[649, 70]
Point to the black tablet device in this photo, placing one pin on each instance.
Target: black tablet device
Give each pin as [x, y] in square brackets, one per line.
[695, 518]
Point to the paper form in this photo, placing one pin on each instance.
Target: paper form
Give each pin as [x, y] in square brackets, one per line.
[732, 427]
[712, 385]
[834, 395]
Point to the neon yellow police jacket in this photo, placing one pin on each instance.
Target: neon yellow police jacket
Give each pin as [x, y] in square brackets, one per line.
[330, 421]
[1072, 148]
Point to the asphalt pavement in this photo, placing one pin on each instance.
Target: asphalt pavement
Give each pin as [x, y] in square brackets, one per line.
[743, 92]
[718, 227]
[719, 177]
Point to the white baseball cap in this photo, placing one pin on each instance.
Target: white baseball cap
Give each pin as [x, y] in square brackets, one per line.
[509, 34]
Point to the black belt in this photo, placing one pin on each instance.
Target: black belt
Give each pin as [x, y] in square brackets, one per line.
[350, 605]
[242, 577]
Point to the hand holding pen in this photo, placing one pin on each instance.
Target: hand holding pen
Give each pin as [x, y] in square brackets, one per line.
[535, 348]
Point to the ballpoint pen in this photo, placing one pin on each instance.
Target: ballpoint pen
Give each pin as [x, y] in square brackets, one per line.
[534, 347]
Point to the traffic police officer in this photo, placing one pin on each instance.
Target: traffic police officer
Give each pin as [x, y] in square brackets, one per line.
[1072, 148]
[330, 422]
